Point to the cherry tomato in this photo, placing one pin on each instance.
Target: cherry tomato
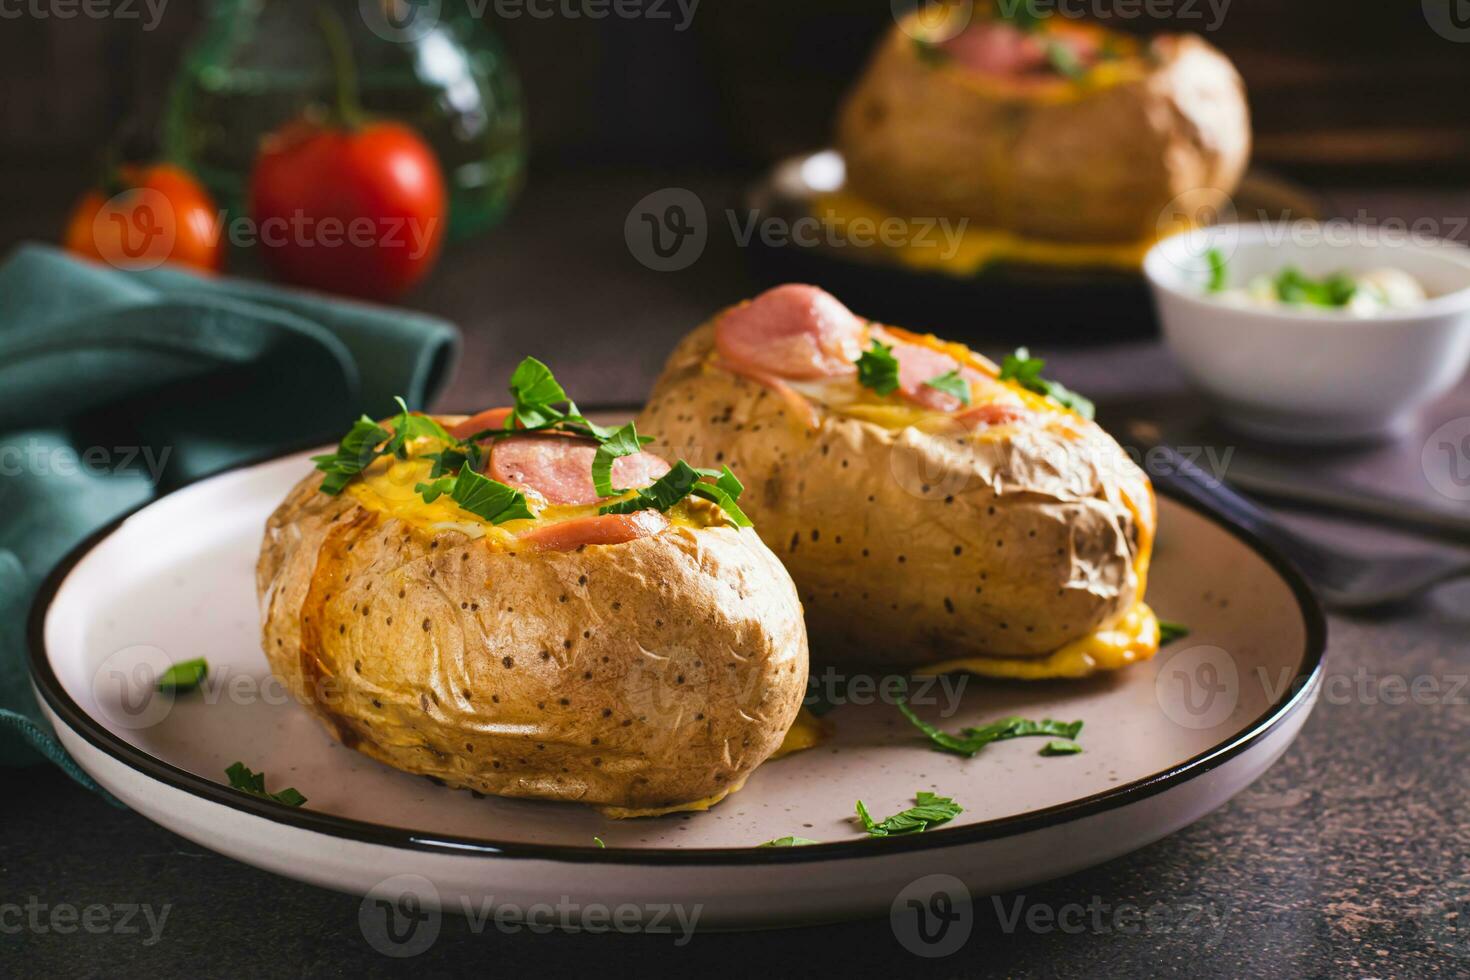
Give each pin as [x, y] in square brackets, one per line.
[360, 211]
[159, 214]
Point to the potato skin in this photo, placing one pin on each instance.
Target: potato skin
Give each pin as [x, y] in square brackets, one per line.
[937, 141]
[647, 674]
[911, 547]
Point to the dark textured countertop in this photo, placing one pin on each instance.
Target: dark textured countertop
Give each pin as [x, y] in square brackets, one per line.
[1351, 857]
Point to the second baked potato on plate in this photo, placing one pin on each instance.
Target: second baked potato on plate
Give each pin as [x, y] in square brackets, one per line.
[936, 510]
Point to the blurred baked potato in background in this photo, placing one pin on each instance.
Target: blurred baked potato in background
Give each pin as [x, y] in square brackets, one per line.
[1044, 127]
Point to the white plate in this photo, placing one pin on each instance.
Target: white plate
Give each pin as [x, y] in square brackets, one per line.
[1166, 742]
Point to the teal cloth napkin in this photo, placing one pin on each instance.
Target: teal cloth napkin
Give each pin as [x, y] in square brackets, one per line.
[116, 387]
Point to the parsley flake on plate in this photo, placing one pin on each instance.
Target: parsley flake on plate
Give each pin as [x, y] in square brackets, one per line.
[1060, 746]
[971, 740]
[243, 779]
[929, 809]
[1171, 631]
[184, 675]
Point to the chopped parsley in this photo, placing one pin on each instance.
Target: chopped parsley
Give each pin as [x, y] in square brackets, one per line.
[951, 383]
[541, 404]
[358, 448]
[661, 494]
[184, 676]
[725, 491]
[243, 779]
[1060, 746]
[1064, 61]
[1025, 371]
[1170, 631]
[878, 369]
[679, 482]
[971, 740]
[792, 841]
[930, 809]
[487, 499]
[367, 440]
[622, 442]
[1216, 259]
[537, 394]
[409, 426]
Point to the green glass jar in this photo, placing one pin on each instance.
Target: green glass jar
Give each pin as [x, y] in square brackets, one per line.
[260, 63]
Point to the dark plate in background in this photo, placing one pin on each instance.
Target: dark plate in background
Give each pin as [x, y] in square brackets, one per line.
[1006, 302]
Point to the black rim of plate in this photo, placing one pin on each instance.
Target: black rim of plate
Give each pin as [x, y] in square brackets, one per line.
[347, 828]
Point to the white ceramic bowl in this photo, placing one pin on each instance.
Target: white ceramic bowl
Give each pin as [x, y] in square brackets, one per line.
[1313, 376]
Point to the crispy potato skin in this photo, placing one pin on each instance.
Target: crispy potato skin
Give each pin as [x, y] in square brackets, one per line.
[647, 674]
[911, 547]
[1115, 165]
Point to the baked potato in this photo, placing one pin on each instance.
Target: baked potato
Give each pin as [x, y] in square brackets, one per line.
[1043, 128]
[935, 510]
[468, 599]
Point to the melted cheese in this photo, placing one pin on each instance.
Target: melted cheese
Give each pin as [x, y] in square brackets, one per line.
[1130, 640]
[806, 732]
[696, 806]
[977, 247]
[387, 486]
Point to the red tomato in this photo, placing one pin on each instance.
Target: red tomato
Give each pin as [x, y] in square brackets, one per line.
[357, 211]
[161, 214]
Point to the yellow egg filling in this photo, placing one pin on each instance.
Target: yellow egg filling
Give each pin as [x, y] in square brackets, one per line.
[388, 487]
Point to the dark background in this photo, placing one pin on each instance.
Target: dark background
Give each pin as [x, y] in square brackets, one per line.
[1341, 90]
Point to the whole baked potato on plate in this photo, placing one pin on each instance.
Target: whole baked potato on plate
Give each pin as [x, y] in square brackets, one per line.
[936, 510]
[525, 603]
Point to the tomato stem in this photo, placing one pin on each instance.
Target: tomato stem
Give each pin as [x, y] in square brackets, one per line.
[344, 69]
